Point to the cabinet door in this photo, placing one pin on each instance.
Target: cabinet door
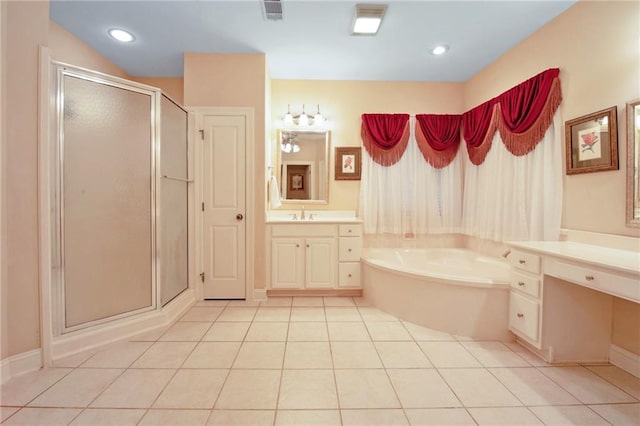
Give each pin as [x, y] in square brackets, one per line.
[321, 261]
[287, 266]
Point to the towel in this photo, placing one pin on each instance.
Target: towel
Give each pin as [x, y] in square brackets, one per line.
[274, 193]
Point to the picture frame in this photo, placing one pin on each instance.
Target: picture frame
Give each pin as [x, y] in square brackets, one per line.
[592, 142]
[348, 163]
[296, 182]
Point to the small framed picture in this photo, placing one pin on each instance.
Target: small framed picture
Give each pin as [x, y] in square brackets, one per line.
[348, 163]
[592, 142]
[297, 182]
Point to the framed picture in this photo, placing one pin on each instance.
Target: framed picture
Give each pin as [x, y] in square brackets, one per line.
[592, 142]
[297, 182]
[348, 163]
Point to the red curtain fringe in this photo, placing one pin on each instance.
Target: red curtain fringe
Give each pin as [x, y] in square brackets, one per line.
[385, 157]
[438, 159]
[479, 153]
[520, 144]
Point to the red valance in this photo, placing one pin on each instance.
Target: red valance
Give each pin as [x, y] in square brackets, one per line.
[478, 128]
[438, 137]
[385, 136]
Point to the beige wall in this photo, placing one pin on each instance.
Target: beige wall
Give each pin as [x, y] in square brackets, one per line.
[171, 86]
[4, 318]
[342, 103]
[235, 80]
[599, 68]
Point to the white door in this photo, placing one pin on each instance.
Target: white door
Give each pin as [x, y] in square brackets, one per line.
[321, 262]
[287, 267]
[224, 219]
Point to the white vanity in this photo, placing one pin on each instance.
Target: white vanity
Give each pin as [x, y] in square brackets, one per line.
[562, 293]
[319, 256]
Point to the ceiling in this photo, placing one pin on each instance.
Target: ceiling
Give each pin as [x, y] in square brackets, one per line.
[313, 39]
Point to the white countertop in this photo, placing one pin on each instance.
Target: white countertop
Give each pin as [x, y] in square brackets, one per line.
[319, 216]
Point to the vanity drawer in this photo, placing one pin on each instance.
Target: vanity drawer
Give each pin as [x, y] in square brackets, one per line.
[526, 284]
[349, 274]
[524, 316]
[350, 249]
[526, 261]
[351, 230]
[303, 229]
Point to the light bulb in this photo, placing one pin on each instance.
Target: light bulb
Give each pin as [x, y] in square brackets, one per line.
[318, 120]
[296, 147]
[303, 120]
[288, 118]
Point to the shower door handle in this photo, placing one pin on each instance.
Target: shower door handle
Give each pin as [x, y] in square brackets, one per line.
[239, 216]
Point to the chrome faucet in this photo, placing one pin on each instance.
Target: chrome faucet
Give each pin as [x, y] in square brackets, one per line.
[302, 216]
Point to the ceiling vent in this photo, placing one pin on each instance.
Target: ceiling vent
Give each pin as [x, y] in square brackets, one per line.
[273, 9]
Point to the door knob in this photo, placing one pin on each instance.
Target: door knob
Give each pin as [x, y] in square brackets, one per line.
[239, 216]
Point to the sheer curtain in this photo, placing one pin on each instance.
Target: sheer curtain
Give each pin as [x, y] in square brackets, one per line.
[411, 196]
[515, 198]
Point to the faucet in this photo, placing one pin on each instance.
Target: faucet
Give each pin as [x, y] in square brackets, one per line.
[302, 217]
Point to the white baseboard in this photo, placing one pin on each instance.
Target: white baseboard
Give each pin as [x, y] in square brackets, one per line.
[127, 328]
[19, 364]
[627, 361]
[260, 294]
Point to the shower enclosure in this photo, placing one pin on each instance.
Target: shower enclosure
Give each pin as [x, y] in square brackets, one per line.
[120, 199]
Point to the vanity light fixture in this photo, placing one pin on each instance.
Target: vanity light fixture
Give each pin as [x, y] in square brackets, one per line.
[121, 35]
[288, 143]
[303, 119]
[440, 50]
[368, 18]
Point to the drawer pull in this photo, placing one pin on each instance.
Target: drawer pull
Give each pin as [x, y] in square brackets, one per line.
[297, 245]
[349, 231]
[349, 275]
[521, 283]
[589, 277]
[522, 261]
[349, 250]
[520, 315]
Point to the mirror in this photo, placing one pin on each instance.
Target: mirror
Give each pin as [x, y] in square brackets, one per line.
[633, 163]
[304, 172]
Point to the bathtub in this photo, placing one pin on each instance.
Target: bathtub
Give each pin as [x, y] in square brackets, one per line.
[457, 291]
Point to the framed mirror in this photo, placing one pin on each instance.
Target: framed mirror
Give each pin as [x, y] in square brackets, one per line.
[304, 165]
[633, 163]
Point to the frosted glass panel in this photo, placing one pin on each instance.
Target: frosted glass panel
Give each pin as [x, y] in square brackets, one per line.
[106, 181]
[173, 217]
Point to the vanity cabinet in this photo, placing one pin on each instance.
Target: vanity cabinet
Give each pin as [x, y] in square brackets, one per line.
[315, 256]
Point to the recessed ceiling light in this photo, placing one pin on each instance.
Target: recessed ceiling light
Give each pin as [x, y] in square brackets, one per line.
[440, 50]
[368, 18]
[121, 35]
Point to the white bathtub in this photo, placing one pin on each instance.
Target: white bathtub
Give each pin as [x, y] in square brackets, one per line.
[457, 291]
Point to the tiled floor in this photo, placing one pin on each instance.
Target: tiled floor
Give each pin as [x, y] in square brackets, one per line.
[315, 361]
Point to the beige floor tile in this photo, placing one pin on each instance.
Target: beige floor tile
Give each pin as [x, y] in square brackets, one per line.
[361, 301]
[355, 355]
[448, 355]
[185, 331]
[175, 418]
[307, 313]
[532, 387]
[388, 331]
[625, 381]
[213, 355]
[250, 389]
[348, 331]
[272, 314]
[209, 303]
[202, 313]
[419, 388]
[22, 389]
[244, 303]
[121, 355]
[227, 332]
[476, 387]
[135, 388]
[495, 354]
[43, 416]
[342, 313]
[439, 417]
[426, 334]
[73, 361]
[338, 301]
[307, 389]
[78, 388]
[278, 301]
[165, 355]
[365, 389]
[241, 418]
[619, 414]
[401, 355]
[527, 355]
[568, 415]
[308, 332]
[308, 355]
[585, 385]
[6, 412]
[267, 332]
[192, 389]
[260, 355]
[307, 301]
[308, 418]
[237, 314]
[508, 416]
[370, 314]
[373, 418]
[108, 417]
